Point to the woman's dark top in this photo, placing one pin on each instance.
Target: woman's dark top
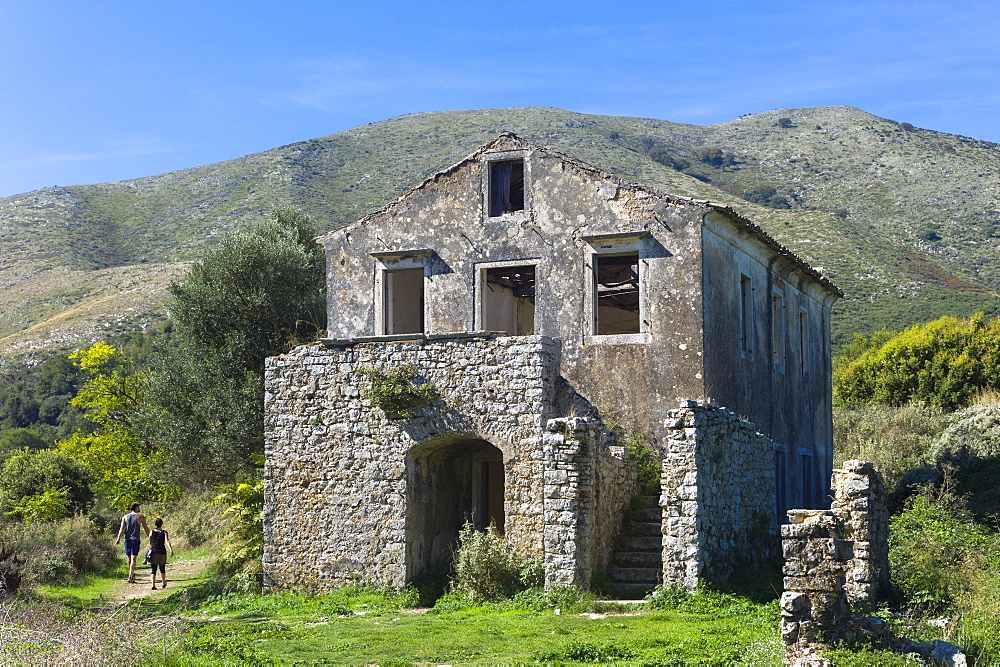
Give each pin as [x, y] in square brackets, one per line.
[156, 541]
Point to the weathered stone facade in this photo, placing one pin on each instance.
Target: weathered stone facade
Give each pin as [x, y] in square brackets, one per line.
[717, 494]
[544, 298]
[383, 498]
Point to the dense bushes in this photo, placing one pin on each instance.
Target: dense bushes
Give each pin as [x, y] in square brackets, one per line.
[895, 439]
[972, 434]
[945, 363]
[48, 552]
[33, 475]
[946, 562]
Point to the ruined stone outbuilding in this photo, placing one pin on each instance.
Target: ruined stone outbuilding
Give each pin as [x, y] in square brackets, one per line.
[547, 301]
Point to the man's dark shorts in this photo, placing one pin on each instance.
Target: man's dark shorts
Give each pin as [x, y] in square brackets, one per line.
[132, 547]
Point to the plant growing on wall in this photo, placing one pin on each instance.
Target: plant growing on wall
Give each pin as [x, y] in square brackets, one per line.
[399, 392]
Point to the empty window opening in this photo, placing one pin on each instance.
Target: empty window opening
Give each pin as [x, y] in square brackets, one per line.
[778, 328]
[509, 300]
[506, 187]
[804, 343]
[617, 293]
[404, 301]
[746, 315]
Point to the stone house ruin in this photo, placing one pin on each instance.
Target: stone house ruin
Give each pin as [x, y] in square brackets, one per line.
[547, 300]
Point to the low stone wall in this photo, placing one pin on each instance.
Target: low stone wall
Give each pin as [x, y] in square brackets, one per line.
[717, 494]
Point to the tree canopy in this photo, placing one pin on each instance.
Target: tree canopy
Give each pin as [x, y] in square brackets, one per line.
[258, 293]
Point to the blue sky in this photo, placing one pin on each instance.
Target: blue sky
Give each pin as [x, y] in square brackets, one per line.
[105, 90]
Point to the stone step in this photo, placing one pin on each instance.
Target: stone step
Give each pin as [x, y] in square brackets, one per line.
[639, 559]
[642, 542]
[654, 514]
[641, 528]
[632, 591]
[635, 575]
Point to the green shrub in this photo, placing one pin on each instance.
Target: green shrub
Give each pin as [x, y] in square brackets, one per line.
[396, 391]
[945, 362]
[30, 473]
[936, 549]
[486, 568]
[895, 439]
[667, 597]
[648, 466]
[241, 558]
[45, 506]
[53, 551]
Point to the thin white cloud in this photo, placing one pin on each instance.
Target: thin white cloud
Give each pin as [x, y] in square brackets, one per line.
[123, 151]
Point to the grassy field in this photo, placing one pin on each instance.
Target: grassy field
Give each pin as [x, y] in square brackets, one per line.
[200, 625]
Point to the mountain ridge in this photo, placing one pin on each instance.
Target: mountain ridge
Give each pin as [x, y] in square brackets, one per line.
[905, 220]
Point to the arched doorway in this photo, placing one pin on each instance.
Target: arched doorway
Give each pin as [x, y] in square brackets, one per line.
[450, 480]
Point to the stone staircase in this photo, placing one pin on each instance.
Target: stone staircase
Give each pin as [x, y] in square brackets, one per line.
[637, 562]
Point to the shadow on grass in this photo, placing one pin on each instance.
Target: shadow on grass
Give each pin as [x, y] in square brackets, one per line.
[430, 586]
[760, 585]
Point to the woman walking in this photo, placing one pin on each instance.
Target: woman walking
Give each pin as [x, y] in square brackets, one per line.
[159, 542]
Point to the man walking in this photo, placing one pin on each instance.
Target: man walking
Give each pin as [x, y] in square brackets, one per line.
[131, 523]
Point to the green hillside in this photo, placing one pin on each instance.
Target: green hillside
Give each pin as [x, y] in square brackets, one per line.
[905, 220]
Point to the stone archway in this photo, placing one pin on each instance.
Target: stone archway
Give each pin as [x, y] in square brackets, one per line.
[450, 480]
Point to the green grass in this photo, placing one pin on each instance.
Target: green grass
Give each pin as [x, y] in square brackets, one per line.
[366, 627]
[88, 590]
[95, 590]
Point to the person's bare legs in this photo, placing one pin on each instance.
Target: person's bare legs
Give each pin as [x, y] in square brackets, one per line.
[131, 569]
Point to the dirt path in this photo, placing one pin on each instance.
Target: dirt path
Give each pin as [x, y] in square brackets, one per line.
[180, 574]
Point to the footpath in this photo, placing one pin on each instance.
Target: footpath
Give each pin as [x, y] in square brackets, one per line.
[180, 574]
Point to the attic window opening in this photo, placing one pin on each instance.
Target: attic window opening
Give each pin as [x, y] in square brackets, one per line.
[617, 293]
[506, 187]
[509, 300]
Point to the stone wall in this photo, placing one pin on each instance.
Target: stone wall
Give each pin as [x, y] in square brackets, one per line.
[834, 558]
[835, 563]
[351, 492]
[859, 503]
[717, 494]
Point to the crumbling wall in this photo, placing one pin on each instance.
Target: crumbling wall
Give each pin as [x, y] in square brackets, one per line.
[340, 490]
[834, 558]
[717, 494]
[859, 502]
[336, 485]
[835, 564]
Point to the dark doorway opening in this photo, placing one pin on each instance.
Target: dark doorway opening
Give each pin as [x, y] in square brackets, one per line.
[450, 480]
[404, 301]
